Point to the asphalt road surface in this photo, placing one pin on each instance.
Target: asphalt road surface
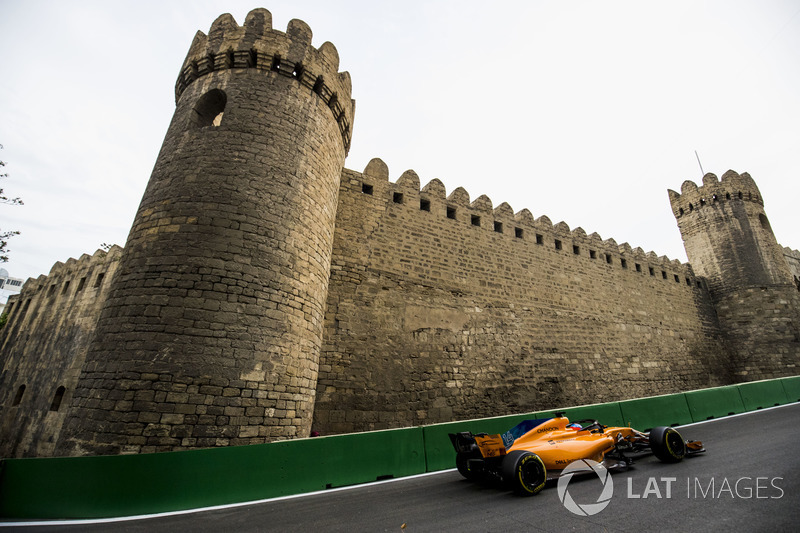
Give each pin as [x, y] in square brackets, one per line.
[749, 480]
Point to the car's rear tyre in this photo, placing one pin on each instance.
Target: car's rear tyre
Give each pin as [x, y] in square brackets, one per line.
[667, 444]
[462, 464]
[524, 472]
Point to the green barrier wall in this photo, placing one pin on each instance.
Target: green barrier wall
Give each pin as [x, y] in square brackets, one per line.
[792, 388]
[761, 394]
[714, 403]
[646, 413]
[93, 487]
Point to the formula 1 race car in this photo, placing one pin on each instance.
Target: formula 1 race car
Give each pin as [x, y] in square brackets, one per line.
[534, 451]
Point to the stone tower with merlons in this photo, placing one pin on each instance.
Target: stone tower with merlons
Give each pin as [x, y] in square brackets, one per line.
[729, 241]
[212, 328]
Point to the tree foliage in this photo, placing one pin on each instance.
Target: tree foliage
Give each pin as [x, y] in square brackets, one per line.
[5, 235]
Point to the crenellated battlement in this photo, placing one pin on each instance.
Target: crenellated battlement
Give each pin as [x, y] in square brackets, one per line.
[732, 186]
[255, 45]
[481, 215]
[99, 256]
[72, 265]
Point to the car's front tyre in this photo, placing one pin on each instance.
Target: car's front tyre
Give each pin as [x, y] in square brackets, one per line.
[667, 444]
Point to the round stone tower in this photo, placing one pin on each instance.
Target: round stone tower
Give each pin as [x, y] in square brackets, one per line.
[211, 332]
[729, 242]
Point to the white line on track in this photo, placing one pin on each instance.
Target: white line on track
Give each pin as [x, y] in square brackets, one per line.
[293, 496]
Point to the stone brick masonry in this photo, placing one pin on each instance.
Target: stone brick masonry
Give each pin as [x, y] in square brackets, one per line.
[265, 291]
[44, 348]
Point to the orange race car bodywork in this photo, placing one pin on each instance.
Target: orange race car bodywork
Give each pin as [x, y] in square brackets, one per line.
[536, 450]
[558, 445]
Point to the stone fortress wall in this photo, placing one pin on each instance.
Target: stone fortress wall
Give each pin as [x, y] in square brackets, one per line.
[442, 308]
[44, 348]
[266, 293]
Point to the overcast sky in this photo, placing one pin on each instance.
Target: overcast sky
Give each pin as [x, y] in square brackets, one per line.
[586, 112]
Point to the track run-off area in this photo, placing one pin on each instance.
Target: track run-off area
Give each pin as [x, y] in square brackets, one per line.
[748, 480]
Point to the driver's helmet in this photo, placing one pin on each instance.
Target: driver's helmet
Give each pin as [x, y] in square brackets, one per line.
[574, 426]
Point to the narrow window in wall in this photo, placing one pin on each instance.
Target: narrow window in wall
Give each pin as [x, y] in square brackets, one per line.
[727, 196]
[424, 205]
[57, 399]
[209, 109]
[558, 244]
[518, 233]
[366, 188]
[688, 282]
[592, 254]
[397, 197]
[99, 280]
[451, 212]
[576, 249]
[498, 226]
[677, 279]
[476, 220]
[539, 239]
[81, 283]
[623, 262]
[18, 396]
[699, 285]
[608, 259]
[638, 267]
[319, 84]
[652, 271]
[52, 290]
[663, 274]
[66, 287]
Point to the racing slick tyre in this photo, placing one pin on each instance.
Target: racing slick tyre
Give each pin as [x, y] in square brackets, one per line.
[524, 472]
[667, 444]
[462, 464]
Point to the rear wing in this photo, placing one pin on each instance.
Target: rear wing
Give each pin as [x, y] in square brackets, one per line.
[492, 445]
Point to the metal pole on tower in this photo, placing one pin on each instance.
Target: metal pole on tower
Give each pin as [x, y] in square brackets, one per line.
[702, 173]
